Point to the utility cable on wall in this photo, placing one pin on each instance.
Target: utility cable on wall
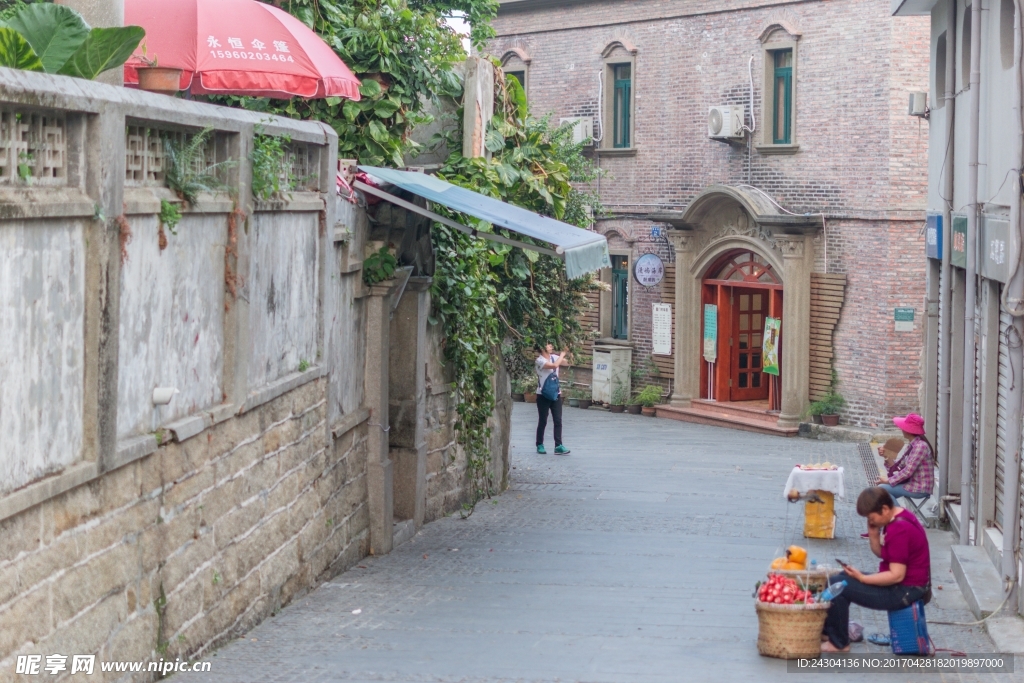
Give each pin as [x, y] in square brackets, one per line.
[824, 229]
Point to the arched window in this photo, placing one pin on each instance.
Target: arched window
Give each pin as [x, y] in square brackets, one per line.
[744, 266]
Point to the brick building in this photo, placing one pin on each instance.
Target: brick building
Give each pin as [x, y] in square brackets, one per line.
[805, 190]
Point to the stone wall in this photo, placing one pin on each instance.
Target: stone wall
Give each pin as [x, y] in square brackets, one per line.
[192, 545]
[860, 159]
[131, 528]
[448, 484]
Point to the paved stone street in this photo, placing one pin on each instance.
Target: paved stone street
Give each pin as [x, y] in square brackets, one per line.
[632, 560]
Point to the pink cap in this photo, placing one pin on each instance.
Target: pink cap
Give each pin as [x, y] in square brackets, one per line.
[911, 424]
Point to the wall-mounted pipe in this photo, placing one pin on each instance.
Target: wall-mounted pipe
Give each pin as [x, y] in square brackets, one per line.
[946, 279]
[970, 301]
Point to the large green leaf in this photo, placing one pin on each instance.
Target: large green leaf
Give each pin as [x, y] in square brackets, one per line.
[105, 48]
[55, 32]
[16, 53]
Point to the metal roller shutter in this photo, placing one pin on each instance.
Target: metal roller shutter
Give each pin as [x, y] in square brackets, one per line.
[1002, 417]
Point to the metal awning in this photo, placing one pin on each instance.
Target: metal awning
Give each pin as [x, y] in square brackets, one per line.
[583, 251]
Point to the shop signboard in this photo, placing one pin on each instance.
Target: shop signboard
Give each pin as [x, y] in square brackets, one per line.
[770, 348]
[649, 270]
[710, 333]
[958, 247]
[933, 236]
[995, 234]
[904, 319]
[661, 330]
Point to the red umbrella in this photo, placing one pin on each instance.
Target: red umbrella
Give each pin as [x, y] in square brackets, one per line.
[237, 47]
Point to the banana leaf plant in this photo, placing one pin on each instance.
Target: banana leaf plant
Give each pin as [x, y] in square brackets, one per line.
[57, 40]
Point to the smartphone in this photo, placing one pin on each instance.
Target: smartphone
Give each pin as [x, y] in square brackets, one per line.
[844, 565]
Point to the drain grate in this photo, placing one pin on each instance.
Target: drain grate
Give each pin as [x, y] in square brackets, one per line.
[867, 458]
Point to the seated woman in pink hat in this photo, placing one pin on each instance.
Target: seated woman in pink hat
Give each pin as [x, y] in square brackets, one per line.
[914, 474]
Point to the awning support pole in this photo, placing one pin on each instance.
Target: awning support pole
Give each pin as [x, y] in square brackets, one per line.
[377, 192]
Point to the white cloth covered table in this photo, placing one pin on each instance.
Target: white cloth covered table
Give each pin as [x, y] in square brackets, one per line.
[815, 480]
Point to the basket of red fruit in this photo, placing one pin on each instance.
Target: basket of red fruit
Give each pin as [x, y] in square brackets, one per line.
[790, 619]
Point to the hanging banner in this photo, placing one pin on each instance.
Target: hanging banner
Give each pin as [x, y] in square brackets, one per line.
[710, 333]
[661, 330]
[772, 328]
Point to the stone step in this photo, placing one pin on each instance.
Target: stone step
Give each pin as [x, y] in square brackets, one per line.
[737, 409]
[705, 416]
[978, 579]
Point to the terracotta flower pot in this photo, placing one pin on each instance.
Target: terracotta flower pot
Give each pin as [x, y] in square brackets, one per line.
[830, 420]
[650, 412]
[530, 398]
[635, 409]
[617, 409]
[159, 79]
[585, 403]
[519, 398]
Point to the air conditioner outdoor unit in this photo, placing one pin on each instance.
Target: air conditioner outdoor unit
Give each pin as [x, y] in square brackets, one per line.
[584, 130]
[725, 123]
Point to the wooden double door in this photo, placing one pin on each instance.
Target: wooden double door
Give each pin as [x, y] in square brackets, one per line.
[746, 293]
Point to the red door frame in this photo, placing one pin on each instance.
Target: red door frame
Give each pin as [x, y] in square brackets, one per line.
[716, 291]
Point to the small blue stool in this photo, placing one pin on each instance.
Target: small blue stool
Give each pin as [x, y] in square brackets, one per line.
[908, 631]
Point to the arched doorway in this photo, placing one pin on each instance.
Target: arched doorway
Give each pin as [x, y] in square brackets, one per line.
[746, 291]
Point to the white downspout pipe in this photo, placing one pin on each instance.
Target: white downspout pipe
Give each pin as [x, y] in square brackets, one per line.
[970, 302]
[946, 280]
[1013, 304]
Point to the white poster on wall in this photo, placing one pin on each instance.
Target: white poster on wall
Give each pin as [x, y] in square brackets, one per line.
[661, 329]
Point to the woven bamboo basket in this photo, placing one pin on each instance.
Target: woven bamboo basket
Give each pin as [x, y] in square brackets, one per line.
[790, 631]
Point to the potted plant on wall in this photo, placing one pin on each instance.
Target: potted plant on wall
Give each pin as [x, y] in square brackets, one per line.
[620, 396]
[156, 78]
[648, 398]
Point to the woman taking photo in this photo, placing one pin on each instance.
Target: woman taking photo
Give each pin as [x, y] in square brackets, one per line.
[549, 398]
[904, 574]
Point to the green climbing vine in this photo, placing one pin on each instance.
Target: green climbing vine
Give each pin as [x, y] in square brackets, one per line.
[493, 300]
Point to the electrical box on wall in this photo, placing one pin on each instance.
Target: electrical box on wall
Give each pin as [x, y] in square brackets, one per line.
[583, 130]
[918, 105]
[611, 371]
[725, 122]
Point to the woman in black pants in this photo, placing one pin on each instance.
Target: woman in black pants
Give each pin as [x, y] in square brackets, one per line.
[548, 362]
[903, 576]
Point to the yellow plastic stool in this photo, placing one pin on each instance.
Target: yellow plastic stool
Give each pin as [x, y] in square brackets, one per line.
[820, 518]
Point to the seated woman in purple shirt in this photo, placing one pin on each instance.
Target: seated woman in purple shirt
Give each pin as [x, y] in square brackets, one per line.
[904, 574]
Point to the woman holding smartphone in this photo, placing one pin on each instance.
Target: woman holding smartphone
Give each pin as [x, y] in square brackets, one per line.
[903, 576]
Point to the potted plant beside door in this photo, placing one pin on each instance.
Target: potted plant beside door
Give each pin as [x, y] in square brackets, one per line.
[829, 405]
[648, 398]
